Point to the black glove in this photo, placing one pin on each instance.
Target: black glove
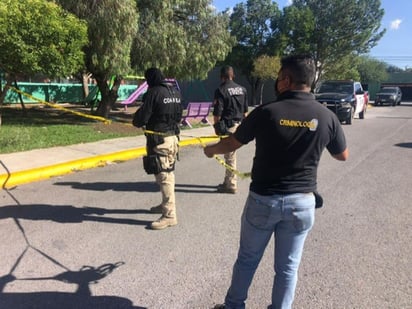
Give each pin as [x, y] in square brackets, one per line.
[220, 128]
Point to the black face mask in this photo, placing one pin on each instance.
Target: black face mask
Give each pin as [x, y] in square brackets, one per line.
[277, 93]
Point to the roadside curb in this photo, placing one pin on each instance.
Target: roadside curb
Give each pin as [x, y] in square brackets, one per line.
[10, 180]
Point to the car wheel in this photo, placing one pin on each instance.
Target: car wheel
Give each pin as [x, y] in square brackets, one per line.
[399, 103]
[350, 117]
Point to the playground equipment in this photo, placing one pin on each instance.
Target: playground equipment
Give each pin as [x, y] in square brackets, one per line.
[135, 95]
[141, 90]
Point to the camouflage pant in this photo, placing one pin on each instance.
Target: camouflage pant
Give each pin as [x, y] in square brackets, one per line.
[230, 159]
[166, 180]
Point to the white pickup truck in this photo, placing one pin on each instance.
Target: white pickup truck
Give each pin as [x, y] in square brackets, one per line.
[345, 98]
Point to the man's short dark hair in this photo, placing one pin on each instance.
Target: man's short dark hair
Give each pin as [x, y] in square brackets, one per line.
[300, 68]
[227, 72]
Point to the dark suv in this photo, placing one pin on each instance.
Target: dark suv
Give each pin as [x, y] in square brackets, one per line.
[388, 95]
[345, 98]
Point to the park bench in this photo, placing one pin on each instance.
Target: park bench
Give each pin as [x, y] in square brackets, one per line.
[197, 110]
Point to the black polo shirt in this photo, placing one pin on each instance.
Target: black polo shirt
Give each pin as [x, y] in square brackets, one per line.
[230, 101]
[291, 134]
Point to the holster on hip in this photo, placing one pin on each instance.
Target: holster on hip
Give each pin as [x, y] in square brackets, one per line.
[152, 164]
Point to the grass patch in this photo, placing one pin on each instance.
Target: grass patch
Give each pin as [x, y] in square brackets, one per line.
[21, 138]
[44, 128]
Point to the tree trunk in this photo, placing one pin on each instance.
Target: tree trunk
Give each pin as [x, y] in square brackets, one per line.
[254, 82]
[261, 93]
[85, 83]
[20, 97]
[109, 95]
[3, 93]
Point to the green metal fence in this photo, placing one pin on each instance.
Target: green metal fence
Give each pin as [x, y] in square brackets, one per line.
[59, 93]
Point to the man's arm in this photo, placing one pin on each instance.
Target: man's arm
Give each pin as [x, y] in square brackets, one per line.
[143, 114]
[217, 108]
[225, 145]
[338, 147]
[343, 156]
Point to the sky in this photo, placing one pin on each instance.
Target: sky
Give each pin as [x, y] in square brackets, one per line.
[395, 48]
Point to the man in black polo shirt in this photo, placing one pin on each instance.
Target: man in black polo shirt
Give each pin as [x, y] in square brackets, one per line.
[291, 134]
[229, 108]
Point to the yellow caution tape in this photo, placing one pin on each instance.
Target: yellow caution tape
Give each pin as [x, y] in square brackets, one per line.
[241, 175]
[106, 121]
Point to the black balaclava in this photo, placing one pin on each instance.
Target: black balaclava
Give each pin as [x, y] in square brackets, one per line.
[154, 77]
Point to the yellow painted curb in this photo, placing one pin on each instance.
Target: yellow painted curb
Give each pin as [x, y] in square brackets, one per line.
[198, 140]
[42, 173]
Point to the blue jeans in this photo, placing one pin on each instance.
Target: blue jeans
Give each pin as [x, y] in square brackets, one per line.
[290, 217]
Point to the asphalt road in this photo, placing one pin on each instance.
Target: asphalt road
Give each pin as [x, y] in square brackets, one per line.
[80, 241]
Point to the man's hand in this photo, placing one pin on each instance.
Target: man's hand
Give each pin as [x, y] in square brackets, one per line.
[208, 151]
[226, 145]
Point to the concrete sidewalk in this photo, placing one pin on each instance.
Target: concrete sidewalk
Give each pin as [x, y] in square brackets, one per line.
[24, 167]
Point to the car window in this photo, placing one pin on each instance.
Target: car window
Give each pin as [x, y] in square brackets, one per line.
[387, 90]
[335, 87]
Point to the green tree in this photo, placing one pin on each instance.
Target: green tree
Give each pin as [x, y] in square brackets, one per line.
[345, 68]
[295, 29]
[372, 70]
[266, 67]
[250, 24]
[394, 69]
[331, 30]
[184, 38]
[112, 25]
[38, 36]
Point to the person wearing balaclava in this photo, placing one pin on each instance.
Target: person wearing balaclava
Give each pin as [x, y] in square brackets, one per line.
[160, 116]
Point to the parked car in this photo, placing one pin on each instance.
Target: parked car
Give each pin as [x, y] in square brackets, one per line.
[345, 98]
[388, 95]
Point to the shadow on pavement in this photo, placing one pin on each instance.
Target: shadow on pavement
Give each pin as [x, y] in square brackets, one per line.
[81, 298]
[62, 301]
[144, 186]
[86, 275]
[113, 186]
[404, 145]
[69, 214]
